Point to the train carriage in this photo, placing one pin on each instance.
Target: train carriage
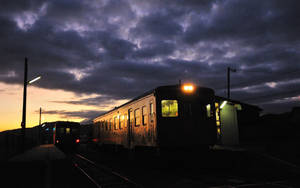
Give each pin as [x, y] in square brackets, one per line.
[63, 134]
[178, 116]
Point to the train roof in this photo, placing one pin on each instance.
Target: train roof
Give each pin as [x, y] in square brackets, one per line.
[60, 123]
[239, 102]
[165, 87]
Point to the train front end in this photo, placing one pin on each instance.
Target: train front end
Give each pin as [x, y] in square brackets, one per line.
[186, 116]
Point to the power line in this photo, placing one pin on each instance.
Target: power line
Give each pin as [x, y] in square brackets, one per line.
[258, 81]
[273, 95]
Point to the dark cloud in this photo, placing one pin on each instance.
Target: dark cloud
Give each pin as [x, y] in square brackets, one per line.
[86, 114]
[155, 49]
[255, 22]
[119, 49]
[99, 101]
[159, 25]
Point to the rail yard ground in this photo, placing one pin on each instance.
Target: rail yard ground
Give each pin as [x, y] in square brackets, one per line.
[217, 167]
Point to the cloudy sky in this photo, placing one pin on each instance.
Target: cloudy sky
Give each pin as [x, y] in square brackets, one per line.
[94, 55]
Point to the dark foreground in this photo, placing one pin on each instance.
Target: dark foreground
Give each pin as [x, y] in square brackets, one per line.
[46, 166]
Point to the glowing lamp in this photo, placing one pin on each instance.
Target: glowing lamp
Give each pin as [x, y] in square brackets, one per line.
[77, 140]
[188, 88]
[35, 79]
[223, 104]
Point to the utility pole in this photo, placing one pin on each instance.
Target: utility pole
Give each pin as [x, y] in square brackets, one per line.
[40, 122]
[23, 123]
[228, 80]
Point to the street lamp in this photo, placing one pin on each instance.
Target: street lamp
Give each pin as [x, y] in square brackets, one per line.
[23, 123]
[228, 80]
[35, 79]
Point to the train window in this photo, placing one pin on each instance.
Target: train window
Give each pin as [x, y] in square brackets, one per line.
[144, 115]
[61, 130]
[68, 130]
[169, 108]
[131, 117]
[106, 125]
[151, 109]
[137, 117]
[115, 123]
[208, 110]
[75, 131]
[100, 125]
[110, 124]
[125, 120]
[122, 120]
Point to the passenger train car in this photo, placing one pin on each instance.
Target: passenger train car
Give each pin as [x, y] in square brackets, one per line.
[63, 134]
[177, 116]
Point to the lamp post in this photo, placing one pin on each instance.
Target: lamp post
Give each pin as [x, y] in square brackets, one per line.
[40, 120]
[23, 123]
[40, 123]
[228, 80]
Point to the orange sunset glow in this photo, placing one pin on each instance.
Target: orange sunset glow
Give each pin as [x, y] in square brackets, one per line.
[11, 105]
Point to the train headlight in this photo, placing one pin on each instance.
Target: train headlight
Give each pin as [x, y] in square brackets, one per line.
[188, 88]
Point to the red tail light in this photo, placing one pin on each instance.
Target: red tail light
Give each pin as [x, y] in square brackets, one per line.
[77, 140]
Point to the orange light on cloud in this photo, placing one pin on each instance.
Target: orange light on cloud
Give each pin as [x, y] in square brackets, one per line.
[11, 96]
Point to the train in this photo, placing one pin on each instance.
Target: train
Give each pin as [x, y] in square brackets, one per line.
[173, 116]
[64, 134]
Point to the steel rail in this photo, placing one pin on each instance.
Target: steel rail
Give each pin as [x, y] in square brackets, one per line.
[89, 177]
[105, 169]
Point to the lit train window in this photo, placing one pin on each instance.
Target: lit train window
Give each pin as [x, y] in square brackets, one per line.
[144, 115]
[101, 125]
[169, 108]
[68, 130]
[125, 120]
[120, 121]
[208, 110]
[131, 117]
[115, 123]
[110, 124]
[151, 109]
[137, 117]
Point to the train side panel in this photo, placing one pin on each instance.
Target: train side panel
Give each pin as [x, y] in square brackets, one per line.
[143, 124]
[129, 126]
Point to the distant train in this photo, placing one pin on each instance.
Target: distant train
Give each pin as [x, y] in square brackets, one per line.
[178, 116]
[64, 134]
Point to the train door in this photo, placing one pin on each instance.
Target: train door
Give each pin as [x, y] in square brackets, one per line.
[229, 125]
[196, 129]
[152, 121]
[130, 126]
[54, 134]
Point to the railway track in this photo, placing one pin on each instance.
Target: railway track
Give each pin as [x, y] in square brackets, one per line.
[101, 176]
[167, 173]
